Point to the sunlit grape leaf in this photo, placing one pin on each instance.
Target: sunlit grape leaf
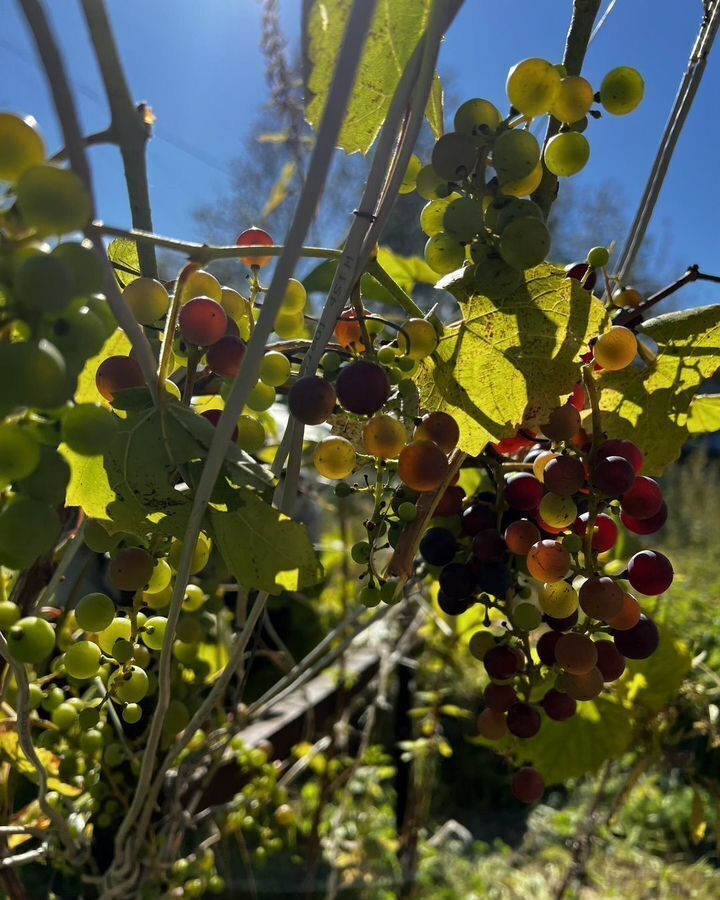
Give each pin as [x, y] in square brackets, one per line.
[649, 684]
[216, 656]
[704, 414]
[435, 111]
[650, 405]
[116, 345]
[123, 255]
[264, 549]
[508, 362]
[11, 750]
[279, 192]
[394, 34]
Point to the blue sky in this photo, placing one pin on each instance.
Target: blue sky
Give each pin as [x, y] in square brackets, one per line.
[199, 66]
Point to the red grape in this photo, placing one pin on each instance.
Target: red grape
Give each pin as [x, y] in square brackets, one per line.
[312, 399]
[213, 417]
[563, 624]
[116, 374]
[523, 720]
[520, 536]
[441, 428]
[501, 663]
[202, 321]
[629, 615]
[492, 725]
[488, 546]
[225, 356]
[605, 534]
[422, 466]
[578, 271]
[650, 572]
[362, 387]
[583, 687]
[576, 653]
[564, 476]
[626, 449]
[645, 526]
[610, 662]
[478, 518]
[254, 237]
[523, 491]
[600, 597]
[613, 475]
[643, 500]
[527, 785]
[499, 697]
[450, 504]
[562, 424]
[548, 561]
[546, 647]
[438, 546]
[558, 706]
[457, 580]
[640, 641]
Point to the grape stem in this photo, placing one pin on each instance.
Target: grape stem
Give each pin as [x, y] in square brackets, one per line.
[357, 303]
[593, 396]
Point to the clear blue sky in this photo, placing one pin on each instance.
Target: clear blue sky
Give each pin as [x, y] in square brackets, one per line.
[199, 66]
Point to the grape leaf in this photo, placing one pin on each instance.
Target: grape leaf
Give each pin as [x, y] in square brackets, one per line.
[649, 684]
[124, 256]
[435, 112]
[508, 362]
[650, 405]
[10, 748]
[264, 549]
[394, 33]
[704, 414]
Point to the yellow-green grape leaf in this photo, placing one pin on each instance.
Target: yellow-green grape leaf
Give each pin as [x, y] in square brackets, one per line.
[704, 414]
[435, 110]
[650, 405]
[123, 254]
[394, 33]
[116, 345]
[10, 749]
[508, 362]
[280, 190]
[264, 549]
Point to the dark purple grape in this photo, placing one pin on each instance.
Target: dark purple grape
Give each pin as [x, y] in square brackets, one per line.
[523, 720]
[640, 641]
[457, 580]
[362, 387]
[614, 476]
[312, 399]
[601, 598]
[438, 546]
[610, 660]
[643, 500]
[523, 491]
[559, 706]
[202, 321]
[605, 534]
[478, 518]
[650, 572]
[626, 449]
[499, 697]
[645, 526]
[578, 271]
[489, 546]
[494, 579]
[501, 662]
[452, 606]
[564, 475]
[545, 647]
[563, 423]
[225, 356]
[563, 624]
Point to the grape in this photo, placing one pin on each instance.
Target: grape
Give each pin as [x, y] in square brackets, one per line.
[509, 210]
[44, 284]
[154, 632]
[331, 361]
[548, 561]
[116, 374]
[523, 491]
[407, 186]
[516, 153]
[545, 647]
[563, 423]
[225, 356]
[501, 662]
[488, 546]
[532, 86]
[422, 466]
[605, 533]
[84, 264]
[131, 569]
[438, 546]
[527, 785]
[430, 185]
[334, 457]
[77, 333]
[200, 556]
[626, 449]
[384, 437]
[643, 500]
[520, 536]
[522, 187]
[53, 200]
[274, 369]
[628, 616]
[89, 429]
[129, 685]
[199, 283]
[557, 512]
[28, 529]
[362, 387]
[82, 660]
[559, 599]
[463, 219]
[611, 662]
[622, 90]
[649, 525]
[312, 399]
[160, 578]
[260, 397]
[559, 706]
[132, 713]
[562, 624]
[33, 374]
[541, 462]
[31, 640]
[21, 146]
[480, 643]
[53, 698]
[615, 349]
[582, 687]
[613, 476]
[451, 502]
[432, 215]
[194, 599]
[148, 300]
[64, 716]
[443, 253]
[567, 153]
[441, 428]
[598, 257]
[650, 573]
[457, 581]
[418, 339]
[576, 653]
[9, 614]
[573, 100]
[94, 612]
[289, 325]
[49, 479]
[600, 597]
[525, 243]
[523, 720]
[202, 321]
[495, 279]
[477, 118]
[118, 629]
[495, 579]
[563, 476]
[478, 518]
[579, 271]
[254, 237]
[492, 725]
[19, 453]
[235, 305]
[453, 156]
[640, 641]
[499, 697]
[627, 298]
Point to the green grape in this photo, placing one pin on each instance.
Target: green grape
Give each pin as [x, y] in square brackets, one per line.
[525, 243]
[35, 695]
[516, 153]
[44, 284]
[154, 632]
[9, 614]
[522, 187]
[334, 457]
[91, 742]
[515, 208]
[454, 156]
[185, 653]
[261, 397]
[444, 254]
[463, 219]
[295, 297]
[129, 684]
[274, 369]
[64, 717]
[289, 325]
[53, 698]
[235, 305]
[251, 434]
[201, 284]
[148, 300]
[89, 429]
[176, 718]
[526, 616]
[495, 279]
[160, 600]
[432, 215]
[78, 333]
[21, 146]
[407, 185]
[31, 640]
[49, 480]
[360, 552]
[85, 265]
[123, 651]
[386, 355]
[370, 596]
[195, 598]
[622, 90]
[113, 757]
[330, 361]
[430, 185]
[132, 713]
[598, 257]
[141, 655]
[557, 511]
[200, 557]
[374, 327]
[19, 453]
[478, 119]
[160, 578]
[82, 660]
[97, 539]
[417, 340]
[573, 99]
[53, 200]
[28, 529]
[532, 86]
[567, 153]
[120, 627]
[89, 716]
[384, 437]
[407, 512]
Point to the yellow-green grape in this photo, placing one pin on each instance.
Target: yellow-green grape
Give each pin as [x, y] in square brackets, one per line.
[622, 90]
[615, 349]
[480, 643]
[129, 684]
[234, 304]
[19, 453]
[573, 99]
[9, 614]
[556, 511]
[172, 389]
[454, 156]
[177, 717]
[432, 215]
[330, 361]
[119, 629]
[516, 153]
[526, 615]
[627, 297]
[295, 297]
[598, 257]
[444, 254]
[160, 600]
[82, 660]
[195, 598]
[540, 464]
[463, 219]
[132, 713]
[89, 429]
[407, 186]
[95, 612]
[289, 325]
[384, 437]
[21, 146]
[334, 457]
[160, 578]
[148, 300]
[559, 599]
[418, 338]
[567, 153]
[532, 86]
[251, 434]
[200, 557]
[506, 209]
[53, 200]
[525, 243]
[261, 397]
[430, 185]
[153, 632]
[64, 716]
[201, 284]
[477, 118]
[523, 187]
[275, 368]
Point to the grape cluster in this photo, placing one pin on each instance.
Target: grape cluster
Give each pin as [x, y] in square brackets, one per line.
[481, 175]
